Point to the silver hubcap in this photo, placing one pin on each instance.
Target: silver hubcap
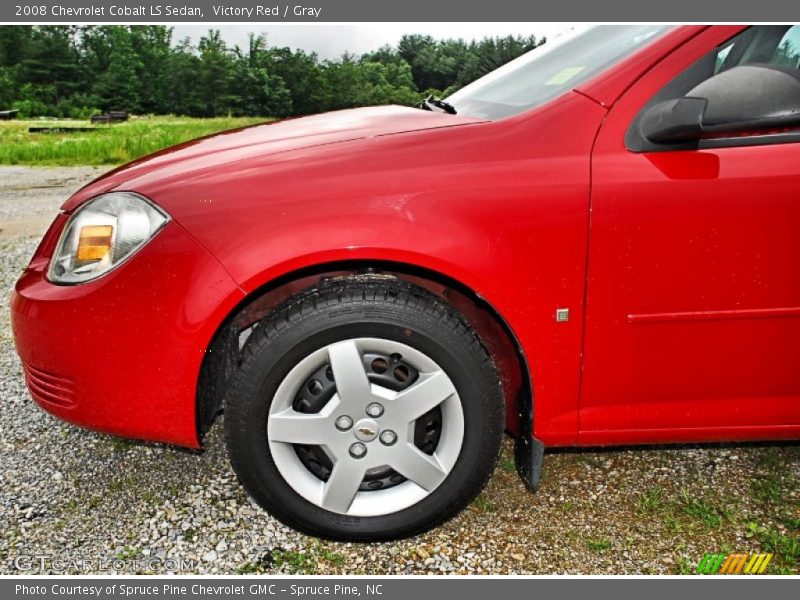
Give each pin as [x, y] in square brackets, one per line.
[364, 427]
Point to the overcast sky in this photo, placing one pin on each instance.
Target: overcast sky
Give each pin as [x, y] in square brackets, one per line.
[331, 40]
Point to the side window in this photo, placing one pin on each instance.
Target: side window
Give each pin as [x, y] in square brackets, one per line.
[721, 56]
[777, 45]
[787, 54]
[774, 45]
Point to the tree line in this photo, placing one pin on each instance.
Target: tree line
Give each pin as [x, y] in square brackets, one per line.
[73, 71]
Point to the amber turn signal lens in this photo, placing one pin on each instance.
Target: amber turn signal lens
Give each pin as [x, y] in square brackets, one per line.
[94, 242]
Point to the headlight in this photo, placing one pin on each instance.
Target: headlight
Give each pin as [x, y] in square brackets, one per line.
[102, 234]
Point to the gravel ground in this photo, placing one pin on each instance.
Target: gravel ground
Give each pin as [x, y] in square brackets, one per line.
[84, 502]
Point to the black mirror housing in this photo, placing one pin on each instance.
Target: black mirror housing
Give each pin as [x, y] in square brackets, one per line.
[674, 121]
[745, 99]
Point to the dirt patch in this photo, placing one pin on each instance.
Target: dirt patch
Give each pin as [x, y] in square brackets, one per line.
[31, 196]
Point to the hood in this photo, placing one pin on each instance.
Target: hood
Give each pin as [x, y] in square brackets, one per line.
[262, 140]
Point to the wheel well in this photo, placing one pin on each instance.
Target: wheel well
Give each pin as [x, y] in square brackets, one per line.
[222, 355]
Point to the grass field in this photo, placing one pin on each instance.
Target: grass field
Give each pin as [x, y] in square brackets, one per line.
[105, 144]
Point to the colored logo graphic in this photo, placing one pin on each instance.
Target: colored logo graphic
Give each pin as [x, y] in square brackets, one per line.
[733, 564]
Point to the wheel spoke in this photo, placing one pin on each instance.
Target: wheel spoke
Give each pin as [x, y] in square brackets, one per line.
[422, 469]
[294, 427]
[364, 426]
[348, 371]
[342, 485]
[429, 392]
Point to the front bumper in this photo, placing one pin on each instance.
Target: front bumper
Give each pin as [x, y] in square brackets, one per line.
[122, 354]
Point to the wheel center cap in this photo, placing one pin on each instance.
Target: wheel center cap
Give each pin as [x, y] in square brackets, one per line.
[366, 430]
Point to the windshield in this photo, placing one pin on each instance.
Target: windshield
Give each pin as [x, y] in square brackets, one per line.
[550, 70]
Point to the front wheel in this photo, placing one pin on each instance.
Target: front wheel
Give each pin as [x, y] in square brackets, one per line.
[364, 410]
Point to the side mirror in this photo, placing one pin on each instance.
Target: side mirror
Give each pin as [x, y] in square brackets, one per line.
[743, 100]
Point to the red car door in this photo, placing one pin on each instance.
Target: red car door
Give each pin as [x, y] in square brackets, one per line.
[693, 297]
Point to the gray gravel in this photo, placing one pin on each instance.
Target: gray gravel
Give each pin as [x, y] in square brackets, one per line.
[30, 197]
[90, 503]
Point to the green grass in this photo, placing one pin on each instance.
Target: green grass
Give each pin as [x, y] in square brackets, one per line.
[126, 553]
[333, 558]
[784, 545]
[121, 444]
[598, 544]
[709, 514]
[652, 501]
[304, 562]
[685, 566]
[507, 464]
[685, 511]
[296, 563]
[106, 144]
[249, 568]
[768, 488]
[483, 504]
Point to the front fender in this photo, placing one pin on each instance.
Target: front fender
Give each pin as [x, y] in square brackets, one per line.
[490, 205]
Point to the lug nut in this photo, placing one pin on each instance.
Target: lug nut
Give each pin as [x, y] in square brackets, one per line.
[344, 423]
[358, 450]
[388, 437]
[374, 410]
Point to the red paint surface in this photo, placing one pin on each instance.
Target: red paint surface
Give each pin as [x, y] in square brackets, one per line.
[704, 243]
[125, 350]
[502, 207]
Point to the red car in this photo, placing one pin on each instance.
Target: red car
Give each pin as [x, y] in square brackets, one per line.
[596, 244]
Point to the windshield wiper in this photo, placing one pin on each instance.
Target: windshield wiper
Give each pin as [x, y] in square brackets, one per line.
[432, 103]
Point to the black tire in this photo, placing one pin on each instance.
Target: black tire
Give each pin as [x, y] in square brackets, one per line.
[363, 307]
